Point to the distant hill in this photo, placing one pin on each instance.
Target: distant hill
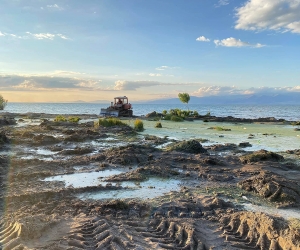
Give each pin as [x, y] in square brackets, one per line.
[292, 98]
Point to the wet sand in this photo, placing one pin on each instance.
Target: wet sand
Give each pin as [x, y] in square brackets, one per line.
[184, 186]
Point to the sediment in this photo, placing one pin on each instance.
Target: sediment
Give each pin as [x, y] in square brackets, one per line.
[205, 212]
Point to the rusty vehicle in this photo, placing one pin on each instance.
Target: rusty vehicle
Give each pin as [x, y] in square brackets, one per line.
[118, 108]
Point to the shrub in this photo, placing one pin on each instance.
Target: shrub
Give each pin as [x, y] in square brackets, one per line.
[158, 125]
[74, 119]
[3, 102]
[175, 118]
[60, 118]
[109, 122]
[184, 98]
[196, 113]
[138, 125]
[164, 112]
[167, 117]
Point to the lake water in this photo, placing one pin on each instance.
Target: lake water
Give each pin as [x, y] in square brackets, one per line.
[288, 112]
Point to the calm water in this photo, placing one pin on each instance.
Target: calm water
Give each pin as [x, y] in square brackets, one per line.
[288, 112]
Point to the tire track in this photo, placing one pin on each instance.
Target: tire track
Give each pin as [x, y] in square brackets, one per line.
[99, 234]
[248, 230]
[10, 233]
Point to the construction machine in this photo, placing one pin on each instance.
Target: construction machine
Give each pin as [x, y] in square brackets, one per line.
[119, 107]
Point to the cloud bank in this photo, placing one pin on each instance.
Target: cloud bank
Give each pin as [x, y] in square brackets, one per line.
[232, 90]
[135, 85]
[280, 15]
[57, 81]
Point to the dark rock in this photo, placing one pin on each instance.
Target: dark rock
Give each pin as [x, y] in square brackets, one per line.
[221, 147]
[3, 138]
[295, 151]
[152, 114]
[44, 139]
[7, 121]
[245, 144]
[77, 151]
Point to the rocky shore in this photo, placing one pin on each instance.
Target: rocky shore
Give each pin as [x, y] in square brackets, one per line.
[75, 185]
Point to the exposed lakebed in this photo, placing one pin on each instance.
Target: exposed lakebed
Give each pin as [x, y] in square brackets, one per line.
[149, 189]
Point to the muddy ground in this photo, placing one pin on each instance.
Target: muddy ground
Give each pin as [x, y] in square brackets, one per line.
[205, 211]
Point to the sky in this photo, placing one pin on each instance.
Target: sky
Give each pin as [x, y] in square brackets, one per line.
[70, 50]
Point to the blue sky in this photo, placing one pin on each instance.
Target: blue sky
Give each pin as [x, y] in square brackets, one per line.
[96, 49]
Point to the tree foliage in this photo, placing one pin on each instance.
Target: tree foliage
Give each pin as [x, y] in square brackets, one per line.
[184, 98]
[3, 102]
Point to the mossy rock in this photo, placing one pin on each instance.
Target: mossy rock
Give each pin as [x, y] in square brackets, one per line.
[191, 146]
[158, 125]
[272, 187]
[261, 155]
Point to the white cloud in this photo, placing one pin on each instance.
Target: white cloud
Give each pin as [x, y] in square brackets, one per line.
[233, 42]
[152, 74]
[216, 90]
[281, 15]
[134, 85]
[222, 3]
[54, 7]
[233, 90]
[64, 73]
[202, 39]
[62, 36]
[39, 36]
[42, 36]
[164, 68]
[88, 84]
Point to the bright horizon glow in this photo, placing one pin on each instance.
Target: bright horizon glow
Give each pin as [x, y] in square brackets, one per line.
[70, 50]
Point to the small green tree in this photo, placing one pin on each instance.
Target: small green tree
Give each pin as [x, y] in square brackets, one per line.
[3, 102]
[184, 98]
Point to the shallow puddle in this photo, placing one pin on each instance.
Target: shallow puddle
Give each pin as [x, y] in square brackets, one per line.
[154, 187]
[147, 189]
[28, 122]
[42, 151]
[78, 180]
[285, 213]
[31, 157]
